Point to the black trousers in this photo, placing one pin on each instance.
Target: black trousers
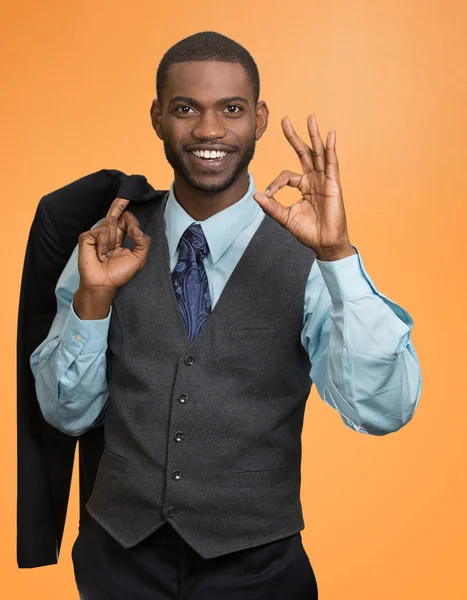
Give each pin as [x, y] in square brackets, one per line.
[165, 567]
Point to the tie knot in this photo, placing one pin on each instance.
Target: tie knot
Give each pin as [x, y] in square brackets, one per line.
[193, 245]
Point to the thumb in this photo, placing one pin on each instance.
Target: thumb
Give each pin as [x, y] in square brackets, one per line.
[272, 207]
[142, 243]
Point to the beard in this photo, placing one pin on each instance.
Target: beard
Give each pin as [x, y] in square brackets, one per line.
[214, 187]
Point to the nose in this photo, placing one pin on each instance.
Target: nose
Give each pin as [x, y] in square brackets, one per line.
[209, 126]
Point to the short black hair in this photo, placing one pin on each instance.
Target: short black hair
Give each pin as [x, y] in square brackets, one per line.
[207, 45]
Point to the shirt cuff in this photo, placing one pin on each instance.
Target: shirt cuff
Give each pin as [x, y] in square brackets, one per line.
[346, 278]
[85, 336]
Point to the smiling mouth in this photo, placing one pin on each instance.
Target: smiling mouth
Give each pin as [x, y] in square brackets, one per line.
[220, 158]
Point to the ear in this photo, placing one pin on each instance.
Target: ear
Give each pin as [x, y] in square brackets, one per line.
[262, 116]
[156, 118]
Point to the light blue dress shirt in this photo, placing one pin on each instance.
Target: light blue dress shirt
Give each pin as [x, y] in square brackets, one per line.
[363, 361]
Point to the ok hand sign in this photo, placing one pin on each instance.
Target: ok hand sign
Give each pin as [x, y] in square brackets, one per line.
[318, 219]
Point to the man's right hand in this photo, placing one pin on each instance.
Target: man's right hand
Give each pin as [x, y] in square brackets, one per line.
[104, 266]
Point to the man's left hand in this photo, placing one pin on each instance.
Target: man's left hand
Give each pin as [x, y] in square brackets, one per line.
[318, 219]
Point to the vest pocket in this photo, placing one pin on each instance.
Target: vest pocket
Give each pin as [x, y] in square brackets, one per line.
[114, 456]
[263, 477]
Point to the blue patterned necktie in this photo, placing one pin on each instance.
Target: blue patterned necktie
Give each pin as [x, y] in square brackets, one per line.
[190, 281]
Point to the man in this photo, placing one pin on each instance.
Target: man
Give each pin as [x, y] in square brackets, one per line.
[195, 331]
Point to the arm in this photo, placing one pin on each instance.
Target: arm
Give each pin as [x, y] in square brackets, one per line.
[70, 364]
[363, 361]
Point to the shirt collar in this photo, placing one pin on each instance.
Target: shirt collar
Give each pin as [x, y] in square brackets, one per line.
[220, 230]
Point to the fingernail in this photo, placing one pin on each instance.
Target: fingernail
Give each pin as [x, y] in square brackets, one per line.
[267, 191]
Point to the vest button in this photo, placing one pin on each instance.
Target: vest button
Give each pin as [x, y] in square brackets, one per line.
[179, 436]
[183, 398]
[189, 360]
[170, 512]
[176, 475]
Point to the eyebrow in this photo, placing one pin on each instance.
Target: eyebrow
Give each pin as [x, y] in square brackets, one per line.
[189, 100]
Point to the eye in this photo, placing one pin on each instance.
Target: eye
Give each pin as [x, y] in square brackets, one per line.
[234, 106]
[182, 106]
[185, 112]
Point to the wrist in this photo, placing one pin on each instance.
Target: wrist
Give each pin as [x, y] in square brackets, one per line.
[335, 253]
[92, 304]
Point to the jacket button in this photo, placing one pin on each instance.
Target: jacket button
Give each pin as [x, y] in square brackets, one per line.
[179, 436]
[176, 475]
[170, 512]
[189, 360]
[183, 398]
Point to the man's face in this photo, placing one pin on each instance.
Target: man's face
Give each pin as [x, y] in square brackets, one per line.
[209, 106]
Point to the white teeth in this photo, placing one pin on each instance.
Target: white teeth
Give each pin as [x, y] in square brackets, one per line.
[209, 153]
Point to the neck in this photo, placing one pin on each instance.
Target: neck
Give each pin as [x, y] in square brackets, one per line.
[200, 205]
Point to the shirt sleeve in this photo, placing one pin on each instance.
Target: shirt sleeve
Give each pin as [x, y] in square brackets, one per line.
[363, 360]
[70, 365]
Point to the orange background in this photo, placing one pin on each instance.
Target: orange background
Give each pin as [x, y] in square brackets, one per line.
[385, 516]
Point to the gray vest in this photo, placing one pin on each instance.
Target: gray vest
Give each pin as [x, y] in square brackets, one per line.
[207, 435]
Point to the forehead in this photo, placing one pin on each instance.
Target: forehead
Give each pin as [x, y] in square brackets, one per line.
[207, 80]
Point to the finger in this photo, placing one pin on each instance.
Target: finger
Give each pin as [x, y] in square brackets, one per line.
[112, 222]
[303, 151]
[107, 239]
[99, 238]
[117, 207]
[141, 240]
[90, 237]
[272, 207]
[318, 149]
[122, 228]
[332, 164]
[117, 229]
[126, 221]
[285, 178]
[96, 239]
[102, 246]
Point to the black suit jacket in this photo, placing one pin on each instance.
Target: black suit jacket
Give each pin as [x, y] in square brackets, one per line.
[45, 454]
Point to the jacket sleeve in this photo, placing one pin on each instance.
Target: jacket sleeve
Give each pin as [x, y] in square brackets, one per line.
[46, 455]
[363, 360]
[70, 365]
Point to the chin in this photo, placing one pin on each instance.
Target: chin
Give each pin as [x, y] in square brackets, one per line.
[210, 184]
